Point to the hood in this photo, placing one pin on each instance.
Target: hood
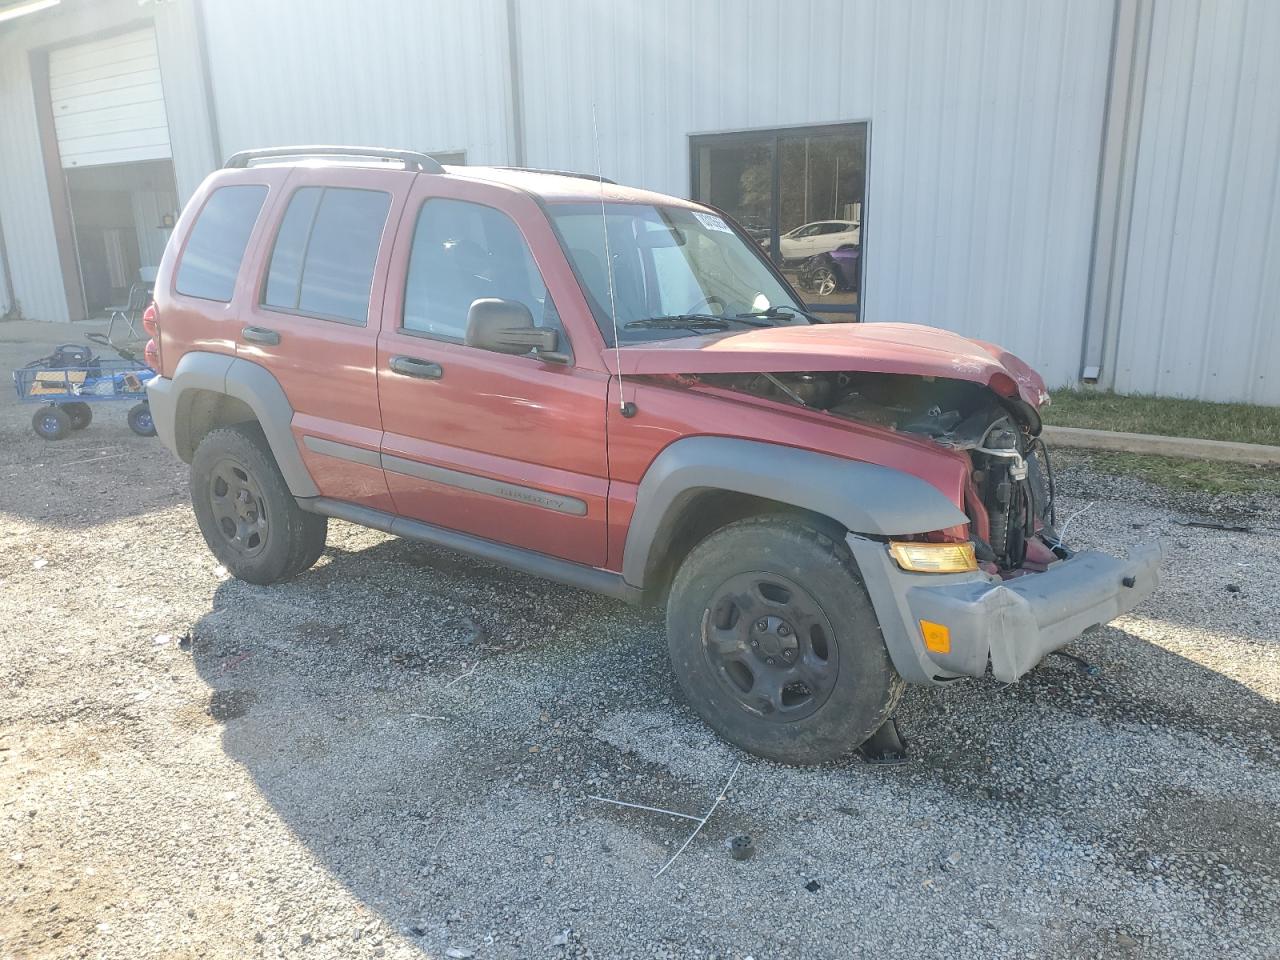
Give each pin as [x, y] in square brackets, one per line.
[905, 348]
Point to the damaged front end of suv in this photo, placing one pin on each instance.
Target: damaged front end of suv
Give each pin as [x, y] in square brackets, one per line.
[1009, 498]
[994, 593]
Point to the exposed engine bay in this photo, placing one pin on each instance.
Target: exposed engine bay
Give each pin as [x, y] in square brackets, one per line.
[1011, 510]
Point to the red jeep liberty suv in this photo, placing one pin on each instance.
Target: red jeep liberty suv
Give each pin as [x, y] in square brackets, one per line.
[617, 390]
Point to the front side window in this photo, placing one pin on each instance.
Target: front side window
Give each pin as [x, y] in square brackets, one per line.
[463, 252]
[325, 253]
[217, 242]
[667, 262]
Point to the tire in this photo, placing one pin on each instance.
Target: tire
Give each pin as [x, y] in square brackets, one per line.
[51, 423]
[775, 644]
[245, 511]
[81, 414]
[140, 421]
[823, 281]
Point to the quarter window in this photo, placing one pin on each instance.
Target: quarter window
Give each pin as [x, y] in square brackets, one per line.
[463, 252]
[217, 242]
[325, 252]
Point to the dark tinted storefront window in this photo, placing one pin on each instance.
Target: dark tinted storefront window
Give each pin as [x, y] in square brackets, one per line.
[800, 194]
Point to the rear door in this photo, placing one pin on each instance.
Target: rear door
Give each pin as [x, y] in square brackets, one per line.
[312, 319]
[509, 448]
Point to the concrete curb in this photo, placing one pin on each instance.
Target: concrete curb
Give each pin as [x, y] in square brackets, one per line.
[1191, 447]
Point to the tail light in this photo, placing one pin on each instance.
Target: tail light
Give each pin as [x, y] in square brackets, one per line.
[151, 353]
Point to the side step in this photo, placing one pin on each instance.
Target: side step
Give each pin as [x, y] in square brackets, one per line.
[526, 561]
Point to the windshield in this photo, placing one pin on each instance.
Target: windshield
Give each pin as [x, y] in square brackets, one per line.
[668, 263]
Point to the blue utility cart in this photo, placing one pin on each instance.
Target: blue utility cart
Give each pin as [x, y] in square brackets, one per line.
[66, 393]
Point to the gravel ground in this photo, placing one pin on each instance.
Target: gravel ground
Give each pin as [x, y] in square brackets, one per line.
[394, 755]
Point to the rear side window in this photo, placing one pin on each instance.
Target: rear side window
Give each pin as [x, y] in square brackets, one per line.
[325, 252]
[463, 252]
[216, 245]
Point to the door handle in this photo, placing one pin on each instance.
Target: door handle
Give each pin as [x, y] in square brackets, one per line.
[260, 335]
[413, 367]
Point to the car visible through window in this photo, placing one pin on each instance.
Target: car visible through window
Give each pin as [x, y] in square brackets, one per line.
[667, 263]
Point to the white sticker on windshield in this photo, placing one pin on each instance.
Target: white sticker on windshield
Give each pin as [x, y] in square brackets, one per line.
[712, 222]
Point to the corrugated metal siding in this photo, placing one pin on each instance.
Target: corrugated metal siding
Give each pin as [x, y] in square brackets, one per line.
[422, 75]
[24, 198]
[986, 120]
[1201, 296]
[188, 109]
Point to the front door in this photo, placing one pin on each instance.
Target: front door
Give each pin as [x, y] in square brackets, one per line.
[509, 448]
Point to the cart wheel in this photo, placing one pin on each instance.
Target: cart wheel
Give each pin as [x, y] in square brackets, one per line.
[81, 414]
[51, 423]
[140, 420]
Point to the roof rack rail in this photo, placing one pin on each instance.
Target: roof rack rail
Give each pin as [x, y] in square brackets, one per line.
[411, 159]
[562, 173]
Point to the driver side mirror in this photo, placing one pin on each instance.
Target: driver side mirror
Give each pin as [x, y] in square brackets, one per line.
[506, 326]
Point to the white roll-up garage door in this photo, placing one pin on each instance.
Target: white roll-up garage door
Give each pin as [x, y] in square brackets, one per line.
[108, 104]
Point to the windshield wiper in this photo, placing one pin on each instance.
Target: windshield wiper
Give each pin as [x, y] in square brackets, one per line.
[776, 313]
[692, 321]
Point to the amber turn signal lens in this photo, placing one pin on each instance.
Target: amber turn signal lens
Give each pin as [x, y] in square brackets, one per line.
[937, 636]
[934, 557]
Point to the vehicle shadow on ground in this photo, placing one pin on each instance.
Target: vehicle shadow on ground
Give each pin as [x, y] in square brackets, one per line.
[403, 707]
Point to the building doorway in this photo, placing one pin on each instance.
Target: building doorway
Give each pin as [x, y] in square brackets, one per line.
[121, 216]
[112, 133]
[800, 192]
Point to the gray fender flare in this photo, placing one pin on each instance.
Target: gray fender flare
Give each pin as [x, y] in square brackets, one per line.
[865, 498]
[248, 382]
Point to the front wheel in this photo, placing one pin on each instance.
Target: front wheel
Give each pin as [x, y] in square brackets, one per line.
[244, 508]
[51, 423]
[775, 643]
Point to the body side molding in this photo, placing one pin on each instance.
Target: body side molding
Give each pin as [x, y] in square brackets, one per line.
[517, 558]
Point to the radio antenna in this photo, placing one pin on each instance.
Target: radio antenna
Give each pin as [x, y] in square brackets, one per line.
[625, 408]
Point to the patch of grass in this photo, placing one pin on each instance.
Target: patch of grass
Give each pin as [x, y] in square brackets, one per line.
[1164, 416]
[1194, 476]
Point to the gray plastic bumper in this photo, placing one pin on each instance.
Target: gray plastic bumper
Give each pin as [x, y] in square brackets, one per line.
[163, 400]
[1012, 624]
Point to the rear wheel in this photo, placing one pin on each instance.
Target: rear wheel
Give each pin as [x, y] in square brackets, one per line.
[51, 423]
[245, 511]
[140, 421]
[775, 643]
[81, 414]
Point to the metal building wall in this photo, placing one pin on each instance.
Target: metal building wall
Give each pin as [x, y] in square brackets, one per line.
[24, 201]
[1201, 298]
[986, 120]
[420, 74]
[25, 210]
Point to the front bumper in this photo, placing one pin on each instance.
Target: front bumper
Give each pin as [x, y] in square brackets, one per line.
[1011, 624]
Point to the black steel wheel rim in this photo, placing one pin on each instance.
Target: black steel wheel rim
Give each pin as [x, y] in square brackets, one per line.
[238, 508]
[770, 645]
